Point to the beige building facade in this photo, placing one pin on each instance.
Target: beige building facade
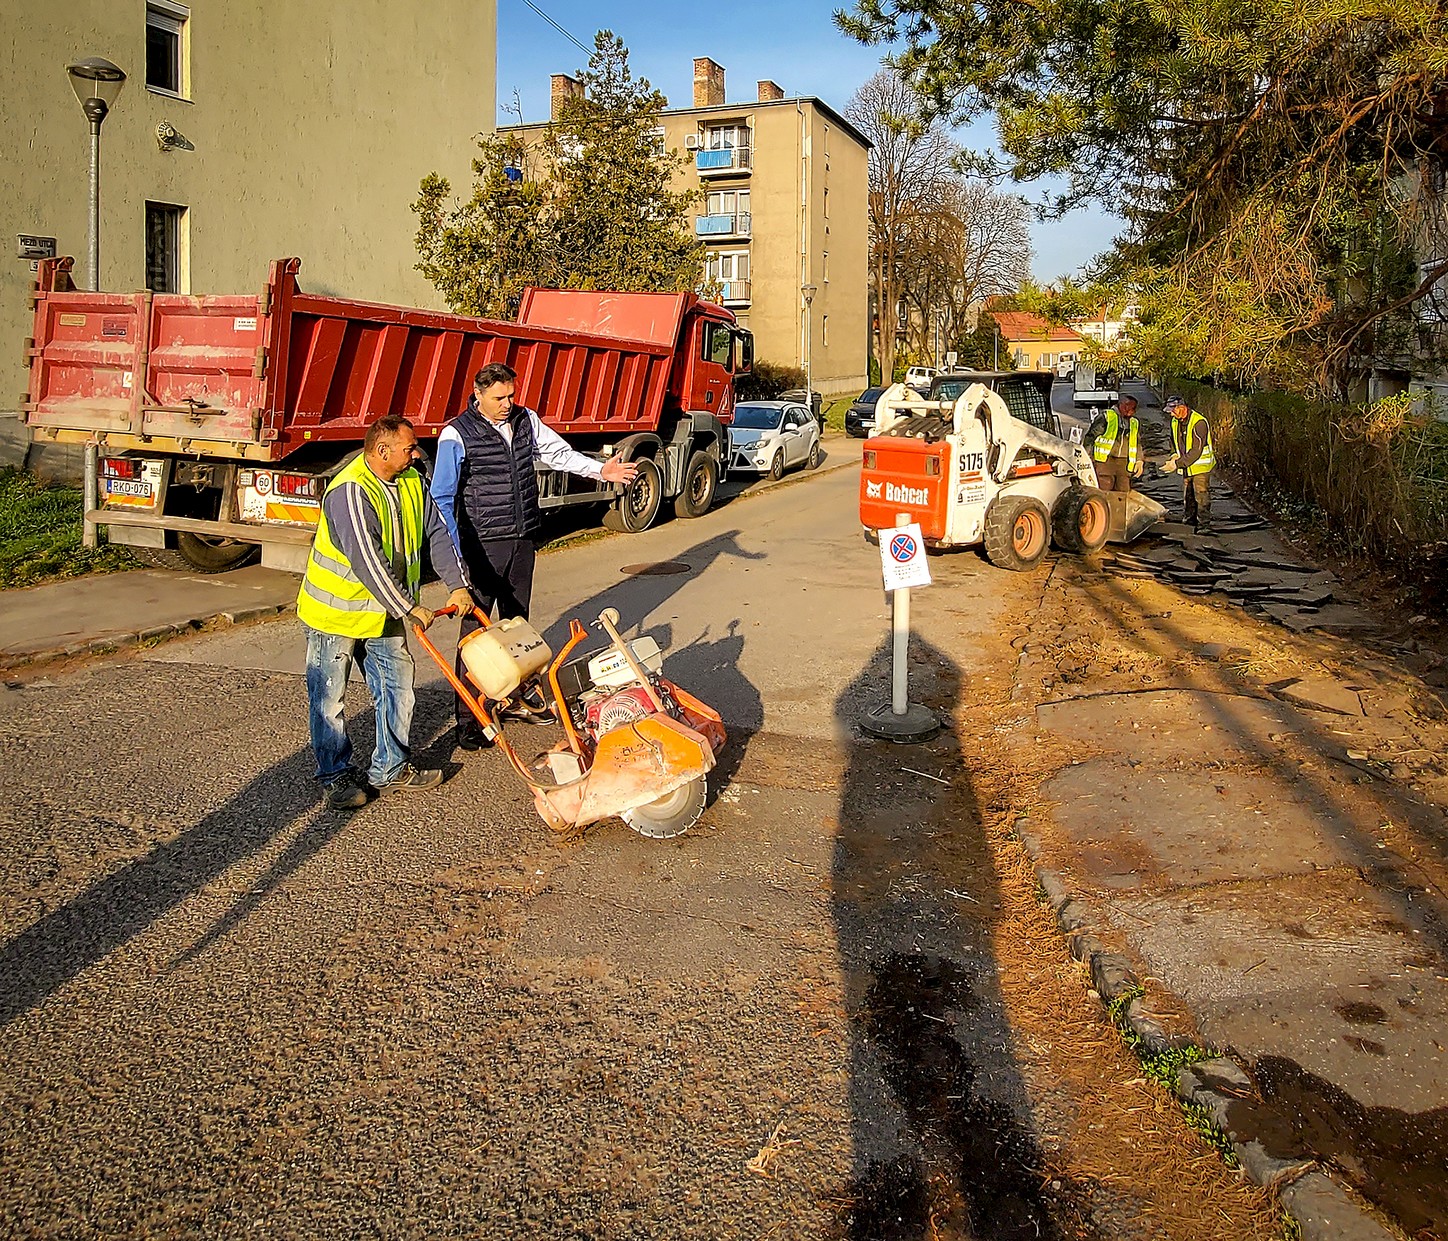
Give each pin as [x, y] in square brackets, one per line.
[245, 131]
[783, 184]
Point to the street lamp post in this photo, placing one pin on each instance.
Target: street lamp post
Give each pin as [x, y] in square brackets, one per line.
[96, 83]
[808, 291]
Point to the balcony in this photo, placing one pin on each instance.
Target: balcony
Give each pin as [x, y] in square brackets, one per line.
[735, 292]
[730, 161]
[735, 224]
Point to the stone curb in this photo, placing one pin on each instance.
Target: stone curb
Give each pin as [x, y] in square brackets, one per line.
[1322, 1209]
[154, 635]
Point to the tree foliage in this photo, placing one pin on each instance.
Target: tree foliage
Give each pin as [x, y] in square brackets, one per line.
[589, 205]
[1259, 152]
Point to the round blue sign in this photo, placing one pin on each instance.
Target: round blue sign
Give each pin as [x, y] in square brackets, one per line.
[902, 548]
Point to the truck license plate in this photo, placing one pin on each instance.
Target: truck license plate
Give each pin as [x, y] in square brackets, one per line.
[128, 487]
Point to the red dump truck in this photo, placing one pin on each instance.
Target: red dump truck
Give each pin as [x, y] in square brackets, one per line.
[219, 419]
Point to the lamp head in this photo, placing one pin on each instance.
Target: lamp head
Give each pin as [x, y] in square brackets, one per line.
[96, 83]
[809, 290]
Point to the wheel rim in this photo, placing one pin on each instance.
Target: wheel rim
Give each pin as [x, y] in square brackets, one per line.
[1092, 522]
[701, 485]
[641, 493]
[1027, 535]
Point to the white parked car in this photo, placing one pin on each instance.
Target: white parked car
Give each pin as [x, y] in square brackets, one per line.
[767, 437]
[919, 376]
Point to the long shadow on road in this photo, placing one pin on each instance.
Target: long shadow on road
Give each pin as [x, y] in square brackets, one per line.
[943, 1139]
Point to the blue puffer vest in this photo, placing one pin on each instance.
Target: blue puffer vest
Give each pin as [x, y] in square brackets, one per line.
[498, 490]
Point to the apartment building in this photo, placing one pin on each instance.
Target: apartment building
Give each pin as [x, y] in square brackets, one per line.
[783, 214]
[244, 131]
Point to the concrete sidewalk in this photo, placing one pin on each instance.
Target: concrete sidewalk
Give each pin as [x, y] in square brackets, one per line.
[88, 614]
[1241, 821]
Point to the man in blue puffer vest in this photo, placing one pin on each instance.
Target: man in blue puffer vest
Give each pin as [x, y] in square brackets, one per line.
[486, 488]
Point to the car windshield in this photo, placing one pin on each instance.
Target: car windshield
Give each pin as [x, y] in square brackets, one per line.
[869, 396]
[757, 417]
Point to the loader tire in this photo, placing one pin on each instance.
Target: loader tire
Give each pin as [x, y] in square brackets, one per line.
[1017, 533]
[1081, 521]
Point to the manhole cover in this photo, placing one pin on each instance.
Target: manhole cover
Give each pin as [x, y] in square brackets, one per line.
[659, 569]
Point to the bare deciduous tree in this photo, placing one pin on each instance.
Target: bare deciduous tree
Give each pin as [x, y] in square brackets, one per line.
[911, 161]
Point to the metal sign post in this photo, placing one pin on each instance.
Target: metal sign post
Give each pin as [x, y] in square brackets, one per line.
[903, 563]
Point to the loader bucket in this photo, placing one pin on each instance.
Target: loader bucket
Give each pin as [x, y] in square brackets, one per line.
[635, 766]
[1132, 515]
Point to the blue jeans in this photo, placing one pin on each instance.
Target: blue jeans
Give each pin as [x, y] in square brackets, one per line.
[387, 665]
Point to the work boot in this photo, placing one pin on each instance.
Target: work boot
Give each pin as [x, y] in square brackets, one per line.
[470, 736]
[346, 792]
[411, 780]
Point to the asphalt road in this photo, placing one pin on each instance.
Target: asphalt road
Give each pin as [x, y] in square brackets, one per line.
[834, 1009]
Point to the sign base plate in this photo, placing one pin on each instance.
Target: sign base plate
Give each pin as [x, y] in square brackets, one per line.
[917, 724]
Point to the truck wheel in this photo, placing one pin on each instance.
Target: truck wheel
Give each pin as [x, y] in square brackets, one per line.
[209, 555]
[776, 467]
[636, 509]
[1081, 521]
[1017, 533]
[701, 481]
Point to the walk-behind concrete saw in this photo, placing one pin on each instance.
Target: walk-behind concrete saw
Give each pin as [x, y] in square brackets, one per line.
[634, 744]
[970, 473]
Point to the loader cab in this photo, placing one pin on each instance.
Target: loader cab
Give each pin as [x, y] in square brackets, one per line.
[1027, 394]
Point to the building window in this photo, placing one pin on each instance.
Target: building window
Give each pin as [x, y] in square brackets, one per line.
[727, 138]
[825, 267]
[727, 202]
[727, 265]
[164, 232]
[824, 329]
[827, 202]
[166, 47]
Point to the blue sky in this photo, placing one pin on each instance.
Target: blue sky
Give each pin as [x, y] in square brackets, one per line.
[793, 42]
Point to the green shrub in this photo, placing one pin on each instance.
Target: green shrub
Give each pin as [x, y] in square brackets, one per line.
[767, 381]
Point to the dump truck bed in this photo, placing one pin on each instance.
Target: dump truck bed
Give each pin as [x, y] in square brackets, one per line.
[257, 377]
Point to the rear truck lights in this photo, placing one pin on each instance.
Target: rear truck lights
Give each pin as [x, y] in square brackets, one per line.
[298, 486]
[119, 467]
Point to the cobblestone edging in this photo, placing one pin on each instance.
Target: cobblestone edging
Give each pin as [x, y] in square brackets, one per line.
[155, 634]
[1322, 1209]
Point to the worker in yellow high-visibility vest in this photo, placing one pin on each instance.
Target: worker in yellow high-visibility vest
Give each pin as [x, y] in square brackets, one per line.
[361, 588]
[1192, 439]
[1114, 437]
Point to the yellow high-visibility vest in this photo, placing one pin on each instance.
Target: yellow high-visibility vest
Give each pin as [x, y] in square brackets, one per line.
[332, 598]
[1101, 450]
[1179, 440]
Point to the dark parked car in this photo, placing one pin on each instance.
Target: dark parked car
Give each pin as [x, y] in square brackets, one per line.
[860, 417]
[1027, 394]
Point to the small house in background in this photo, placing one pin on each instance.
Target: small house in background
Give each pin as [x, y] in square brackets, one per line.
[1031, 343]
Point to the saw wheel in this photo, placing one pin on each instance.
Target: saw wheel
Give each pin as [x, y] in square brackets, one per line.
[671, 815]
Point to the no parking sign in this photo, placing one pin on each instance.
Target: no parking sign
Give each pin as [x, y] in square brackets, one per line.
[902, 558]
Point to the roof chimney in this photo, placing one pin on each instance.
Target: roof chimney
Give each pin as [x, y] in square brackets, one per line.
[770, 91]
[708, 83]
[564, 89]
